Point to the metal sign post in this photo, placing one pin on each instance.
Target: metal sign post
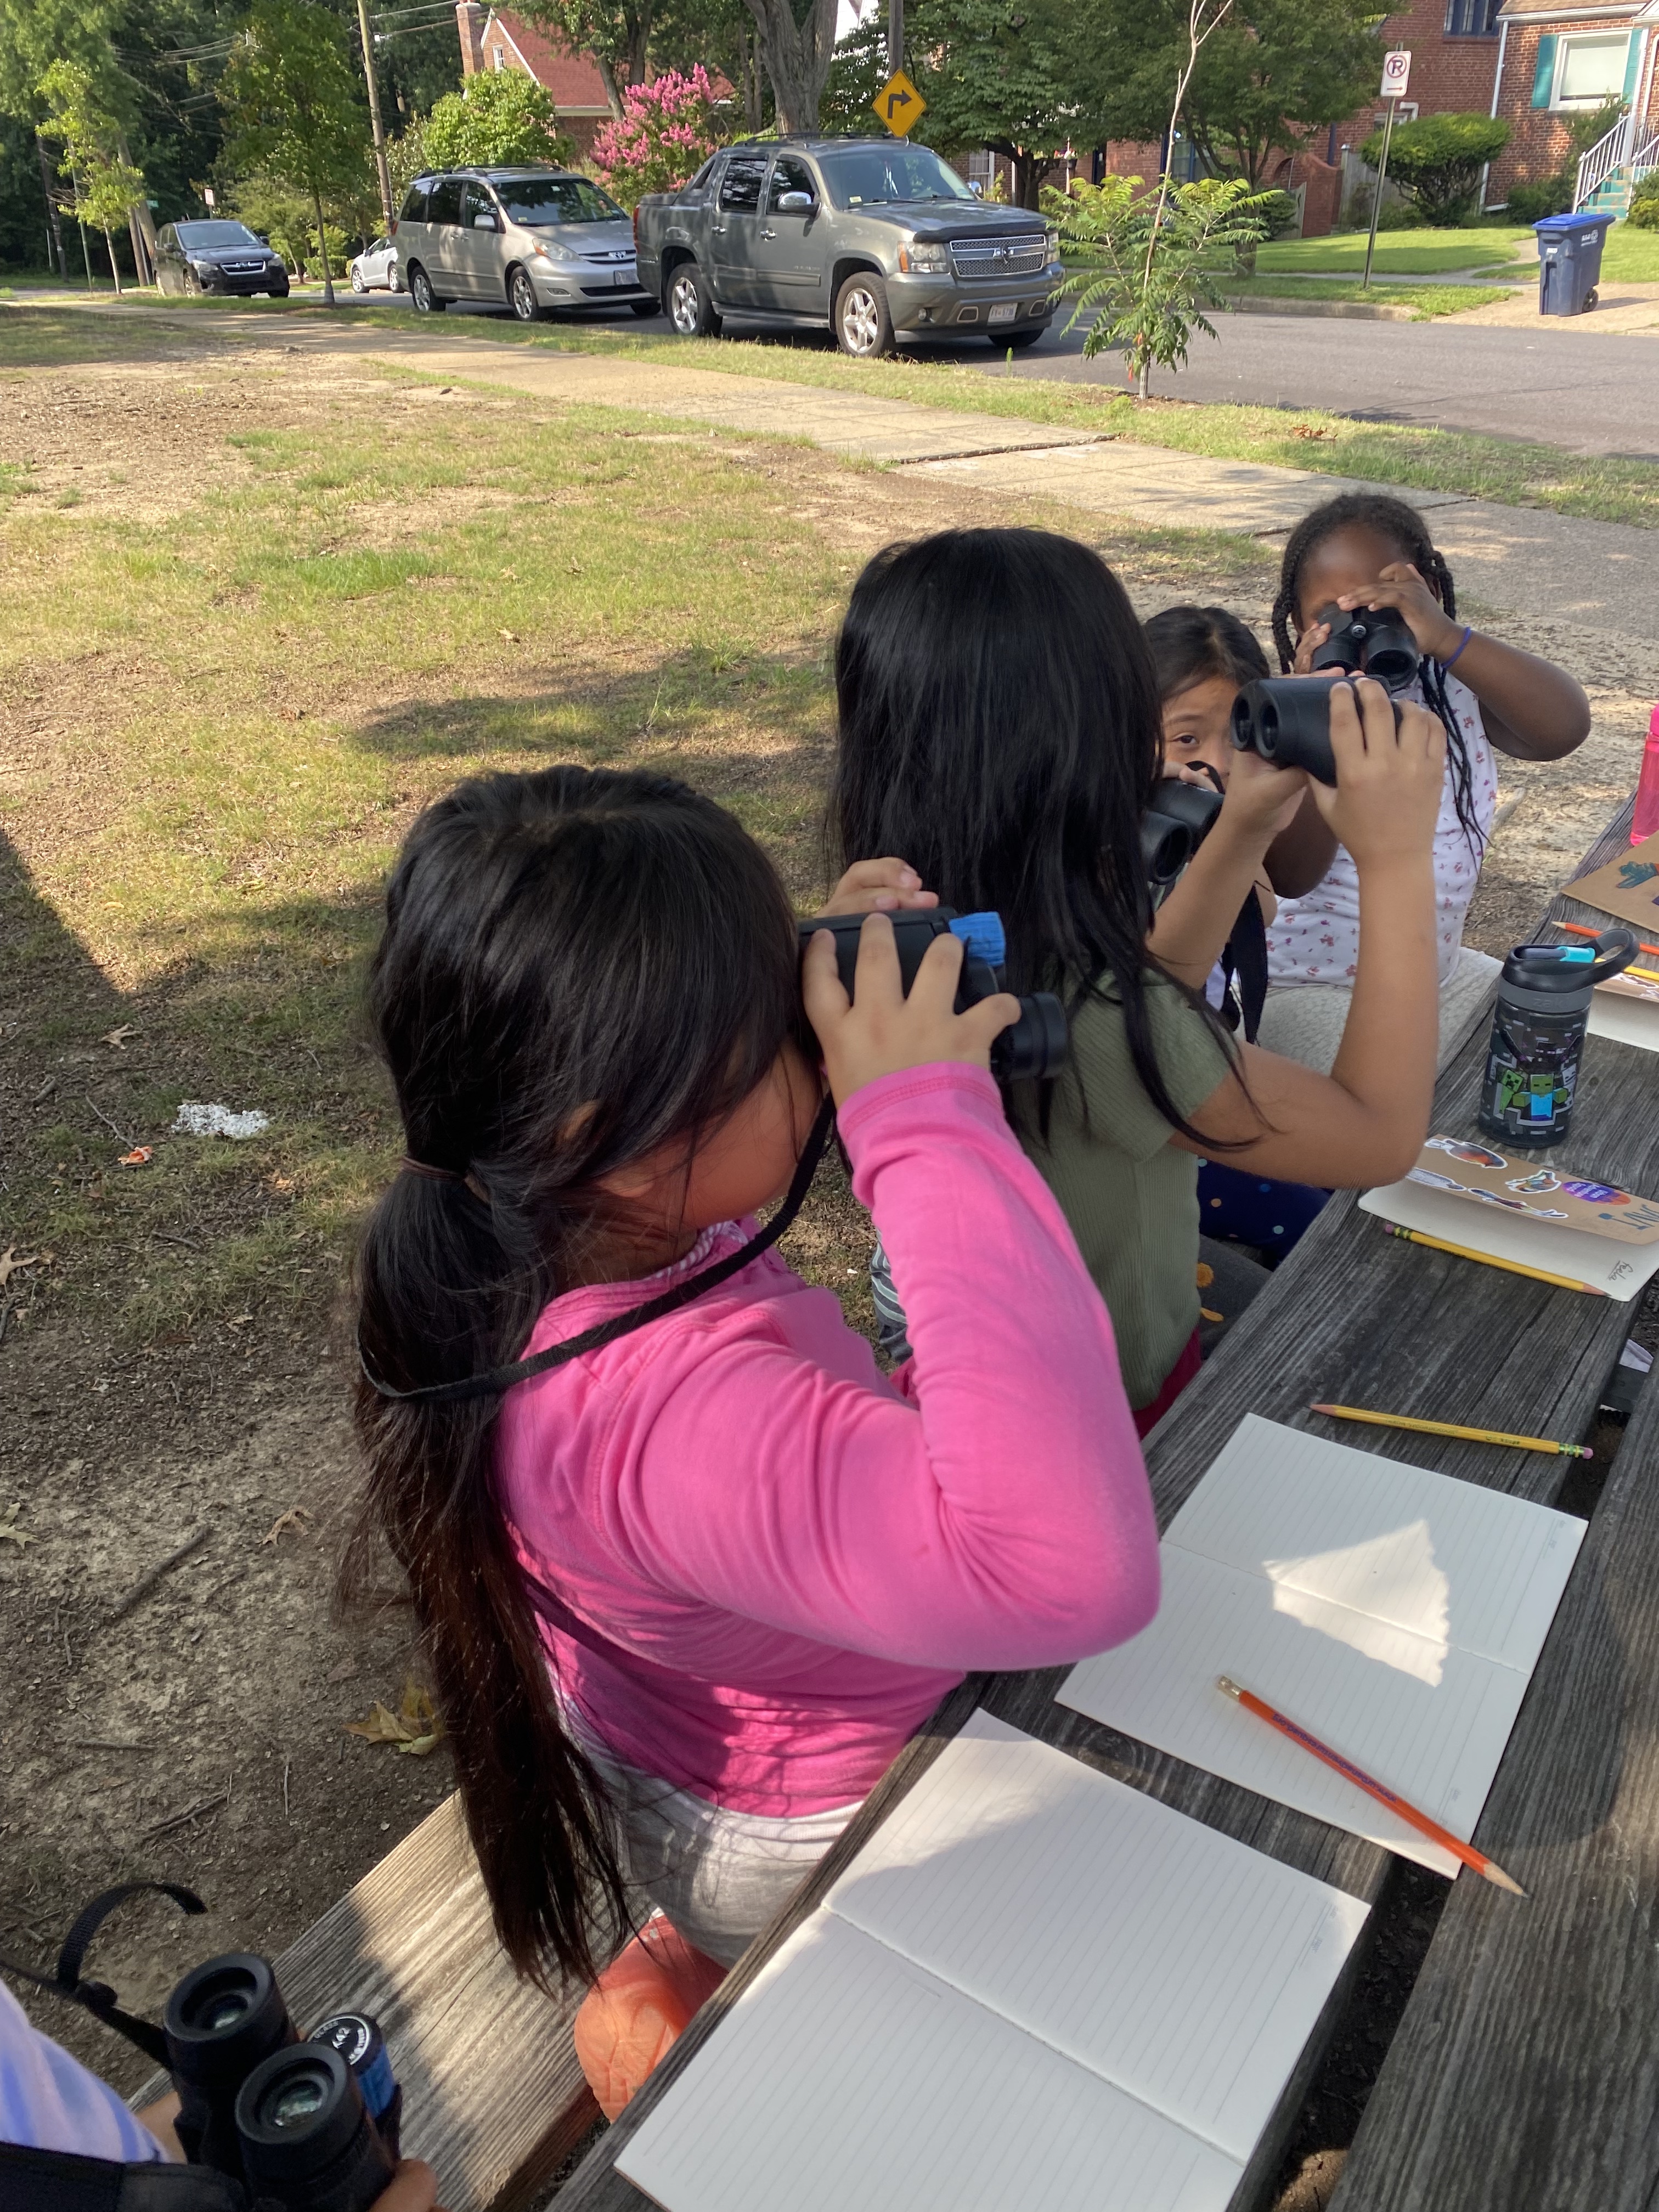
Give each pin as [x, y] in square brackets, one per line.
[1396, 75]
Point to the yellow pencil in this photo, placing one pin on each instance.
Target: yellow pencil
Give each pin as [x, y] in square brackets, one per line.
[1453, 1429]
[1490, 1260]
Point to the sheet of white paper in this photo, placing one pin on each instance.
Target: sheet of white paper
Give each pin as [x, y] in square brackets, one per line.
[849, 2080]
[1035, 1988]
[1397, 1614]
[1627, 1020]
[1180, 1965]
[1620, 1270]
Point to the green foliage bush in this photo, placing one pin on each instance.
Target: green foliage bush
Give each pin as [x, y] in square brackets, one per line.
[501, 119]
[1544, 196]
[1644, 205]
[1438, 160]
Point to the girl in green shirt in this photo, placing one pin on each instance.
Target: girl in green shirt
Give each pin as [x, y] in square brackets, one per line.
[1000, 738]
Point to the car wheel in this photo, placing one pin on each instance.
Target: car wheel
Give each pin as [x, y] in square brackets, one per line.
[426, 301]
[278, 292]
[394, 281]
[864, 327]
[1019, 340]
[643, 307]
[691, 303]
[357, 284]
[521, 297]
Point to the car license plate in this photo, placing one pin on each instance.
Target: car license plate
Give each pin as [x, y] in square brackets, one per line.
[1004, 312]
[622, 277]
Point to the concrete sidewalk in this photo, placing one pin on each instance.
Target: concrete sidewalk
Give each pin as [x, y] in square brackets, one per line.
[1522, 562]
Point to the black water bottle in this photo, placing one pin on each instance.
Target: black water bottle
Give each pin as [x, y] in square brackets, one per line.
[1538, 1036]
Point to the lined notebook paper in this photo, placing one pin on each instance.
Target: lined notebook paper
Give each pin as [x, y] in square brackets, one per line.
[1397, 1613]
[1036, 1990]
[1619, 1270]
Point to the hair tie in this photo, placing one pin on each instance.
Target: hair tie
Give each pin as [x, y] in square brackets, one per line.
[1457, 656]
[433, 1174]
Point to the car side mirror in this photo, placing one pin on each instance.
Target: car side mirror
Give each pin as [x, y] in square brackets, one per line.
[976, 188]
[795, 203]
[488, 221]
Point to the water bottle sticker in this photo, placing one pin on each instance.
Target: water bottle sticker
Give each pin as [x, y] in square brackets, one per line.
[1598, 1194]
[1474, 1156]
[1541, 1181]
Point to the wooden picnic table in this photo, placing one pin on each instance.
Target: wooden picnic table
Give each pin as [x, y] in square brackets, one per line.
[1355, 1315]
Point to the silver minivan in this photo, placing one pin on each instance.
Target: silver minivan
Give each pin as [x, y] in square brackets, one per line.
[535, 240]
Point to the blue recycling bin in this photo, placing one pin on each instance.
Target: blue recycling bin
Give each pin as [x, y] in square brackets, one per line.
[1570, 261]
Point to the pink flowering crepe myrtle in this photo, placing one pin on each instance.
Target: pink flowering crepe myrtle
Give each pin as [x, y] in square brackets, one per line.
[668, 129]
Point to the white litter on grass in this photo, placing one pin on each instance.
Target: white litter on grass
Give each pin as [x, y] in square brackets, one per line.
[194, 1120]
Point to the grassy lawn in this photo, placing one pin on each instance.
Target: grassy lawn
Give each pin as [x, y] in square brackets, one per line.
[1399, 252]
[1426, 301]
[1631, 257]
[288, 606]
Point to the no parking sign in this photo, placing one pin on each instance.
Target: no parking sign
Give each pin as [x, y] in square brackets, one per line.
[1396, 73]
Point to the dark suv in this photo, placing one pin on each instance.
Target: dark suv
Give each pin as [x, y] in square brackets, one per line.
[216, 255]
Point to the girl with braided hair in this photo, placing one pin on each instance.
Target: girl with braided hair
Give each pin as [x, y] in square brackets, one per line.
[1367, 549]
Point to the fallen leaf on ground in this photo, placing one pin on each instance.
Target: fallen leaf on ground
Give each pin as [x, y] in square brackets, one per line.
[345, 1672]
[414, 1727]
[9, 1531]
[294, 1520]
[119, 1037]
[240, 1322]
[511, 635]
[139, 1157]
[10, 1265]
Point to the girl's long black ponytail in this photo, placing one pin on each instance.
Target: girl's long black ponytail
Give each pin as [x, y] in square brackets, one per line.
[578, 968]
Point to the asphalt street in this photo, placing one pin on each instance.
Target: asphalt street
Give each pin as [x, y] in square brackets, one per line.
[1590, 395]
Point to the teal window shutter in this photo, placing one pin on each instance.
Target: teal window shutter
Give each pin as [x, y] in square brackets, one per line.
[1543, 82]
[1632, 66]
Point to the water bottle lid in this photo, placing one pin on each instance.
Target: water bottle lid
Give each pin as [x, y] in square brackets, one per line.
[982, 935]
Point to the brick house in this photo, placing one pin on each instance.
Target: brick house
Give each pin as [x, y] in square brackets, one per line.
[1535, 64]
[496, 38]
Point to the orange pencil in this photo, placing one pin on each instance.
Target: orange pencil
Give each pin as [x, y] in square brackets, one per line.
[1471, 1857]
[1582, 929]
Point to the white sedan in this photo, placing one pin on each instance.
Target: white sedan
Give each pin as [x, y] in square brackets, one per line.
[377, 269]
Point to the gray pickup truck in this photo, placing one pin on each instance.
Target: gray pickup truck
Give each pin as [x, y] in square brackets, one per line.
[876, 237]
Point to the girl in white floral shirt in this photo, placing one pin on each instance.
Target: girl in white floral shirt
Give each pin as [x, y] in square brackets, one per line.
[1365, 549]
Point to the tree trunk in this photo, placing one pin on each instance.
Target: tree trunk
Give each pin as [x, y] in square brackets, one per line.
[322, 248]
[140, 260]
[749, 75]
[612, 91]
[639, 42]
[53, 216]
[86, 250]
[109, 247]
[145, 220]
[1144, 387]
[797, 58]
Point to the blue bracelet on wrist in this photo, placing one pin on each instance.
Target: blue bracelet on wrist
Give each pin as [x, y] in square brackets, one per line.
[1458, 655]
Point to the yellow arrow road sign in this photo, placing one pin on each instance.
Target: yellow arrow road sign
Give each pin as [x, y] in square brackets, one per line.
[899, 104]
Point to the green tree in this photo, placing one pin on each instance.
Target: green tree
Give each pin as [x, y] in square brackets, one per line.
[1437, 161]
[107, 187]
[614, 34]
[1149, 264]
[1013, 75]
[797, 50]
[500, 119]
[293, 103]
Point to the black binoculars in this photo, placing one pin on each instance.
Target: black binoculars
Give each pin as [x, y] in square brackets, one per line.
[1177, 819]
[1287, 719]
[1367, 641]
[312, 2126]
[1032, 1050]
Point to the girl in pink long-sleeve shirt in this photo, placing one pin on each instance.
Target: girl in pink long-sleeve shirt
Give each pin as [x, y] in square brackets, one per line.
[685, 1594]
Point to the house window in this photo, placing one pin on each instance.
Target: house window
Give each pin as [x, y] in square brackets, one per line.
[1589, 70]
[498, 57]
[1472, 19]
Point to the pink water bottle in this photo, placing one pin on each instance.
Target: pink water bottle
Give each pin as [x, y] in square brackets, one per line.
[1646, 819]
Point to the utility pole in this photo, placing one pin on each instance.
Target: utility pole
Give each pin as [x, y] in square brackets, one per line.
[895, 35]
[380, 164]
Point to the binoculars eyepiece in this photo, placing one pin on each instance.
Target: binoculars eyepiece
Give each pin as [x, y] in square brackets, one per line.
[1287, 719]
[310, 2126]
[1032, 1050]
[1367, 641]
[1176, 821]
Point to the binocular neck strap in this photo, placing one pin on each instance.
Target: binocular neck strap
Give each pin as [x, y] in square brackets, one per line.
[97, 1997]
[519, 1371]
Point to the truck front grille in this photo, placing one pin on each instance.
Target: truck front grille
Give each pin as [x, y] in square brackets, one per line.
[1000, 257]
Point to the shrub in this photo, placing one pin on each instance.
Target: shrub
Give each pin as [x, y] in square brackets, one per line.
[500, 119]
[668, 129]
[1545, 196]
[1645, 204]
[1437, 161]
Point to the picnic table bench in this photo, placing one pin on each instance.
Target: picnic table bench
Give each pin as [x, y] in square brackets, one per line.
[1361, 1317]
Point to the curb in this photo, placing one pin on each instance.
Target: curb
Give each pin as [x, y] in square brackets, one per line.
[1352, 311]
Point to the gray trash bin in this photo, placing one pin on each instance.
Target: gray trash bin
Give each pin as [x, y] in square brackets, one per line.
[1570, 261]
